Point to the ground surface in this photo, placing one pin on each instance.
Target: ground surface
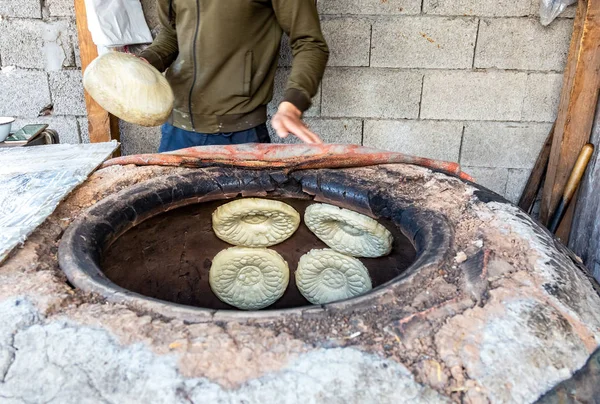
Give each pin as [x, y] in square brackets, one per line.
[507, 318]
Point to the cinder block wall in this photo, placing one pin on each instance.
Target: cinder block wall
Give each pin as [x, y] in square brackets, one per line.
[473, 81]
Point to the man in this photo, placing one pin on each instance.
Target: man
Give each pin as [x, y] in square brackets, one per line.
[221, 57]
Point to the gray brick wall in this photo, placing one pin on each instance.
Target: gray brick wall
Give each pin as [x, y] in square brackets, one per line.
[39, 66]
[473, 81]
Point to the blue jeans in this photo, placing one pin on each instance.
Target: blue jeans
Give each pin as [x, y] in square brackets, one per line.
[175, 138]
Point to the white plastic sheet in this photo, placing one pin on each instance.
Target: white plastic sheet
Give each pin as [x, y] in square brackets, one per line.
[33, 181]
[114, 23]
[550, 9]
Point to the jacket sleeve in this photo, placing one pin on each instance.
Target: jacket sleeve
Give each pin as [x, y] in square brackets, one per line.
[299, 19]
[164, 49]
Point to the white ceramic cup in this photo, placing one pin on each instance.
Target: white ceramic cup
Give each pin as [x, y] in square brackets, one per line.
[5, 125]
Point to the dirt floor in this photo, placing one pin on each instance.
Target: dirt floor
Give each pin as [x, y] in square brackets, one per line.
[505, 318]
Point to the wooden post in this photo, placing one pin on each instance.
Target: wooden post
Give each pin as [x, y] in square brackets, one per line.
[102, 126]
[532, 188]
[577, 104]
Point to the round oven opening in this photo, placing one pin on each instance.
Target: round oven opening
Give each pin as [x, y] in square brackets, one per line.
[168, 257]
[151, 245]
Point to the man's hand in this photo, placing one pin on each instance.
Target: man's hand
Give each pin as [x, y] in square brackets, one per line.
[288, 119]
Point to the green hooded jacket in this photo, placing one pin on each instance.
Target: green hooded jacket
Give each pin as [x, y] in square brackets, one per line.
[221, 56]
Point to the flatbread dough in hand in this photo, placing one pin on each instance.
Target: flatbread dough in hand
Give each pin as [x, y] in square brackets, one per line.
[129, 88]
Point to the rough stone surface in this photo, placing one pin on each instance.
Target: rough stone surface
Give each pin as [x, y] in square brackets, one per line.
[36, 44]
[509, 145]
[65, 126]
[491, 178]
[372, 93]
[281, 78]
[542, 97]
[523, 44]
[137, 139]
[424, 42]
[517, 178]
[75, 363]
[433, 139]
[483, 8]
[20, 8]
[23, 93]
[485, 96]
[67, 92]
[348, 40]
[513, 319]
[346, 131]
[388, 7]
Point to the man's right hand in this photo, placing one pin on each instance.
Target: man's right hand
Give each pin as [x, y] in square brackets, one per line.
[288, 119]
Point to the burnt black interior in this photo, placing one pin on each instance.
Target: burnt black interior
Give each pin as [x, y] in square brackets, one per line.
[168, 257]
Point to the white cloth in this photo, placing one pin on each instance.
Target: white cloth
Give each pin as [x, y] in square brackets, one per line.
[115, 23]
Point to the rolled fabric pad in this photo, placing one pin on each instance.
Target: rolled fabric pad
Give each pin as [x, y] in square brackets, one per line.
[348, 232]
[325, 276]
[129, 88]
[253, 222]
[249, 278]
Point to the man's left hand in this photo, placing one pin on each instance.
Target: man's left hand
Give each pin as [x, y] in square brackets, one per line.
[288, 119]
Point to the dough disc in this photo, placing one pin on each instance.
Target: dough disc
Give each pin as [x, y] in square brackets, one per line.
[253, 222]
[249, 278]
[129, 88]
[325, 276]
[348, 232]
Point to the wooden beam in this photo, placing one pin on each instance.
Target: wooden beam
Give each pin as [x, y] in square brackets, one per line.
[537, 174]
[579, 95]
[102, 126]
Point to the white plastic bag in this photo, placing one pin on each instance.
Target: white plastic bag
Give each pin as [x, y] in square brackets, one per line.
[550, 9]
[115, 23]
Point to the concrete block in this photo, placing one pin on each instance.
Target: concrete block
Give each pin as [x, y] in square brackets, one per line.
[473, 95]
[60, 8]
[568, 13]
[424, 42]
[517, 178]
[345, 131]
[371, 93]
[285, 53]
[65, 126]
[349, 40]
[379, 7]
[36, 44]
[84, 132]
[500, 144]
[23, 93]
[150, 8]
[480, 8]
[21, 8]
[67, 92]
[281, 78]
[542, 97]
[520, 43]
[494, 179]
[432, 139]
[137, 139]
